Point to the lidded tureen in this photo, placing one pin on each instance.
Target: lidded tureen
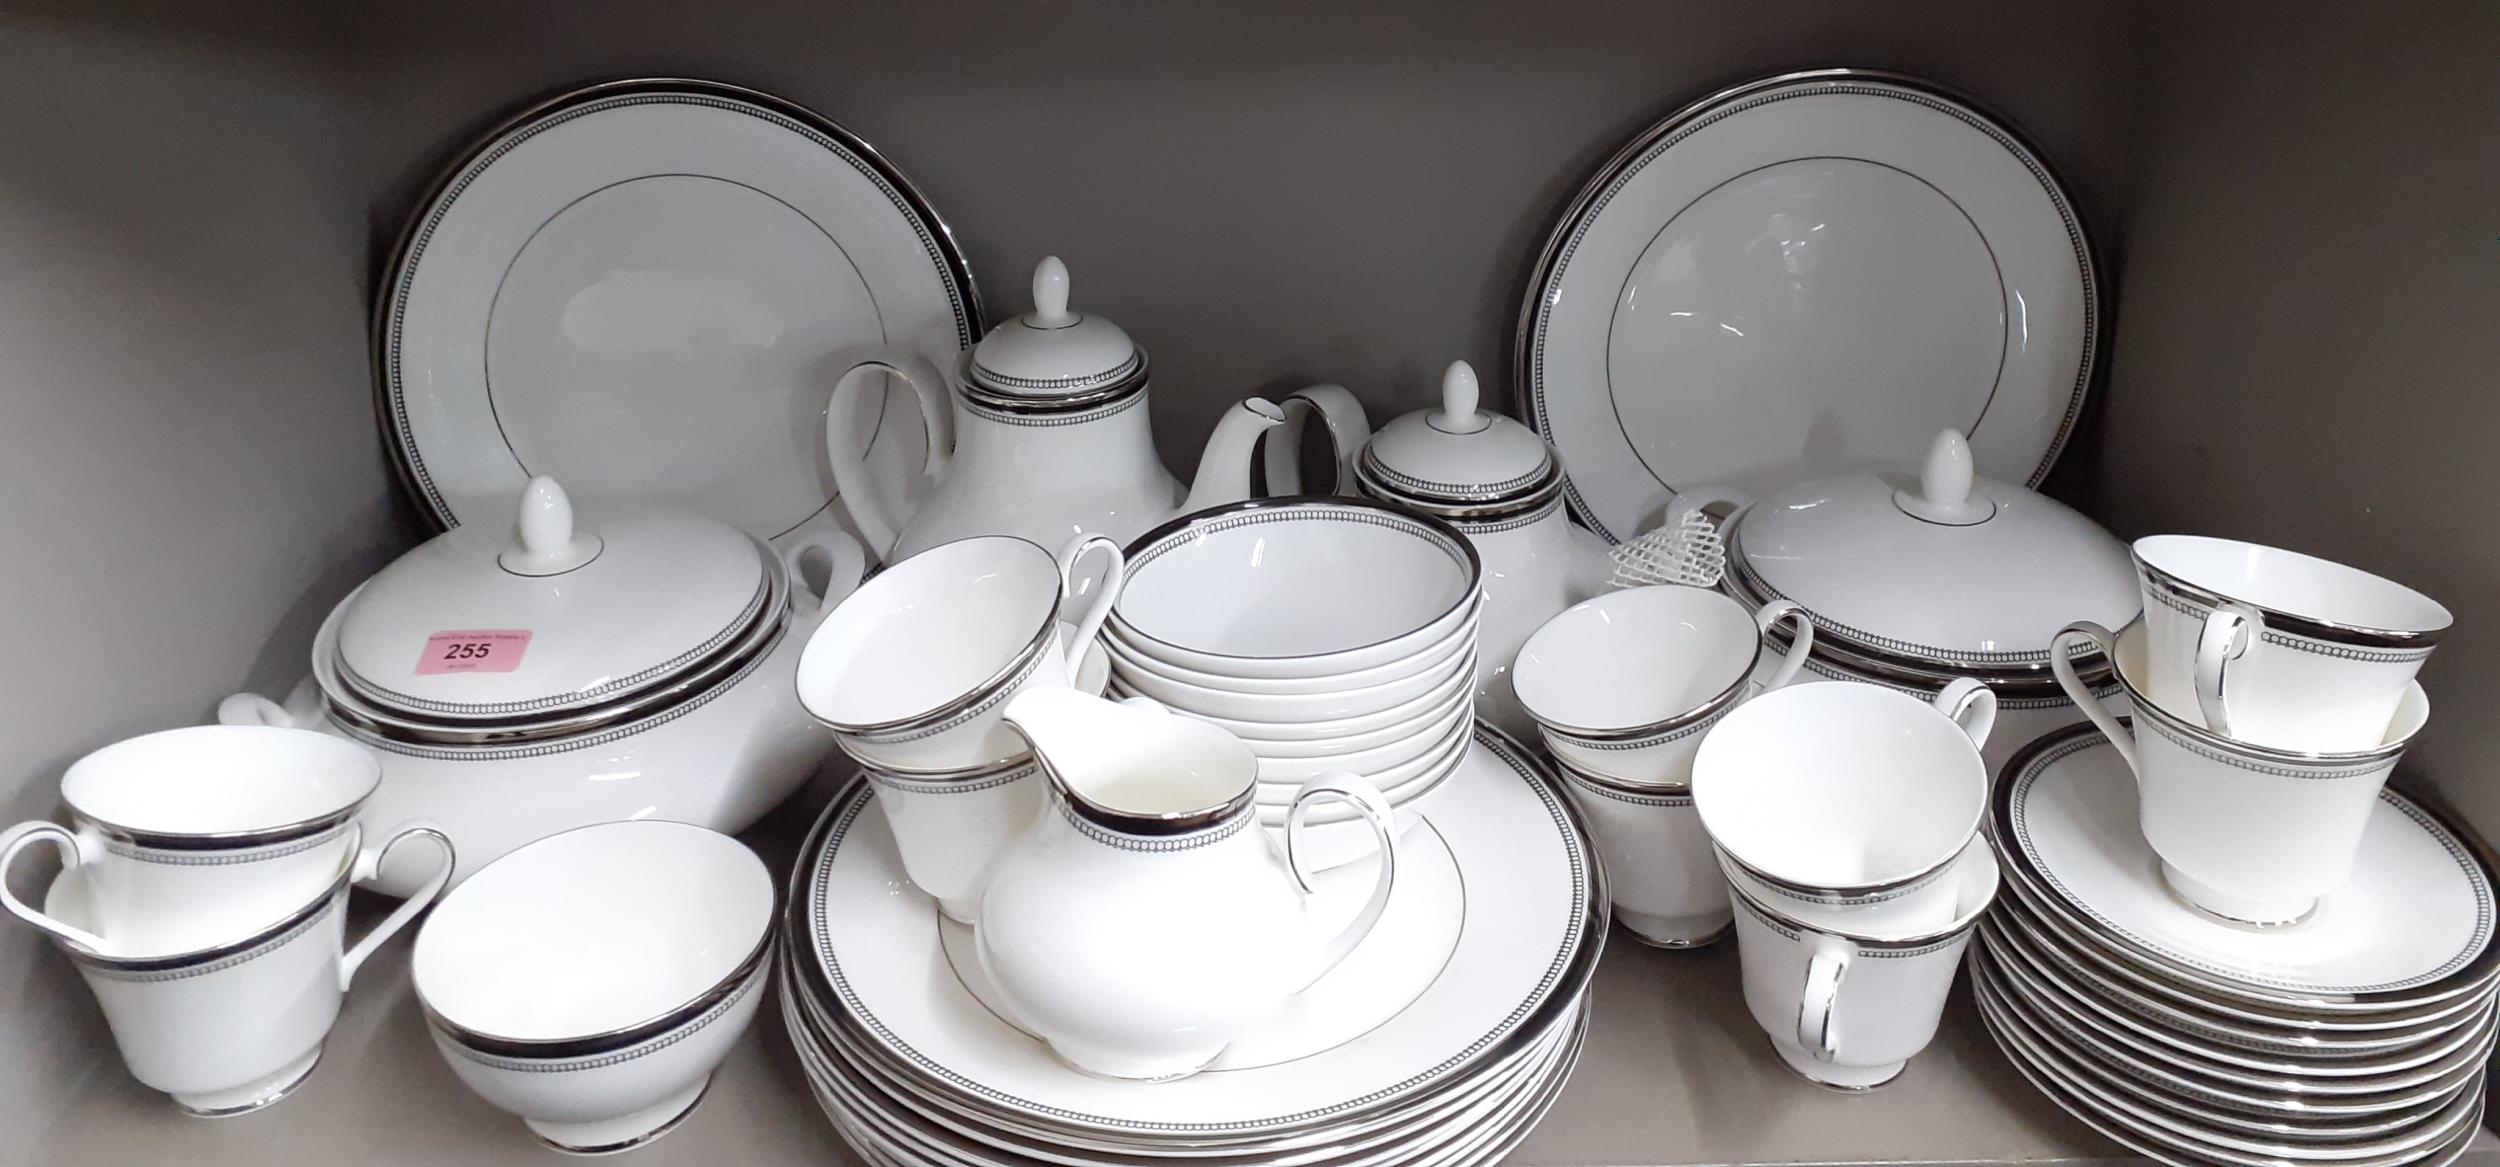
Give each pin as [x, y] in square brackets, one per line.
[556, 674]
[1914, 581]
[1501, 485]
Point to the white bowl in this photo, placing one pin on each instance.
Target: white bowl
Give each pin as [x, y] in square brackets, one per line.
[1377, 766]
[590, 982]
[1315, 736]
[1397, 784]
[1295, 587]
[1296, 708]
[1459, 639]
[1334, 841]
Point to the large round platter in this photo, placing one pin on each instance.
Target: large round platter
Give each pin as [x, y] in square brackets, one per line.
[1803, 275]
[1534, 904]
[2414, 926]
[642, 289]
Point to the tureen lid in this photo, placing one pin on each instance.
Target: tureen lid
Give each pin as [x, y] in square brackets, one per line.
[1459, 461]
[1053, 357]
[1950, 573]
[549, 618]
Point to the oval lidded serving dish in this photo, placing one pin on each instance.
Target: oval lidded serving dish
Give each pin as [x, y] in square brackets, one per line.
[1913, 581]
[518, 685]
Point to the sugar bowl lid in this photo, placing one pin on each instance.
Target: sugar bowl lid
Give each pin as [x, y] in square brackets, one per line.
[1459, 461]
[1052, 357]
[1947, 575]
[550, 618]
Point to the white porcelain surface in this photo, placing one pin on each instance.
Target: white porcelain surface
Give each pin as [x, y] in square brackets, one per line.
[1398, 784]
[1846, 1010]
[1660, 871]
[1625, 685]
[192, 836]
[1459, 453]
[1044, 473]
[597, 258]
[2270, 682]
[2412, 925]
[911, 671]
[237, 1025]
[949, 831]
[1295, 588]
[1532, 569]
[1802, 275]
[1451, 724]
[1339, 734]
[874, 956]
[1141, 924]
[1851, 795]
[2021, 720]
[1935, 565]
[589, 982]
[2250, 834]
[1300, 700]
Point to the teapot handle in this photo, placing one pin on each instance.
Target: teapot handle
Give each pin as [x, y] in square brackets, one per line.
[847, 451]
[1348, 429]
[1365, 798]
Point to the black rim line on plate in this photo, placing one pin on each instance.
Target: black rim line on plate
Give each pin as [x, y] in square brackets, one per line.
[385, 299]
[2470, 974]
[1541, 270]
[1565, 983]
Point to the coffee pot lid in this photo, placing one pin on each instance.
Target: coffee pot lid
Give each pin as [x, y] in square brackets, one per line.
[1460, 460]
[1947, 573]
[1053, 357]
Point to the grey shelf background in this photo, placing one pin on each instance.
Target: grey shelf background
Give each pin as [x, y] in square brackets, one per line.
[2293, 203]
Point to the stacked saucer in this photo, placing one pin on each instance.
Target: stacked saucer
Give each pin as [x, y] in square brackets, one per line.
[2357, 1035]
[1441, 1040]
[1331, 635]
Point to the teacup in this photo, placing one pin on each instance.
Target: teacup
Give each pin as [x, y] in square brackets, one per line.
[1660, 871]
[911, 670]
[2278, 649]
[1625, 685]
[2244, 832]
[1848, 1009]
[193, 836]
[949, 828]
[236, 1025]
[1850, 802]
[591, 981]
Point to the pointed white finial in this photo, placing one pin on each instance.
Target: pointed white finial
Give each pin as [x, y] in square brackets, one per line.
[1460, 396]
[1944, 485]
[1050, 294]
[546, 542]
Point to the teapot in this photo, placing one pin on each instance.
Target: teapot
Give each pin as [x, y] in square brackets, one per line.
[1041, 433]
[1144, 920]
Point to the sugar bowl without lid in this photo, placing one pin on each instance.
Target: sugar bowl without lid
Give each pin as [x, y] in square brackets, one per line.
[1912, 580]
[637, 664]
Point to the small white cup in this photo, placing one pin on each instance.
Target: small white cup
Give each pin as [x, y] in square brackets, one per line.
[1660, 870]
[2278, 649]
[912, 670]
[949, 829]
[2251, 834]
[237, 1025]
[1850, 798]
[1849, 1010]
[1625, 685]
[193, 836]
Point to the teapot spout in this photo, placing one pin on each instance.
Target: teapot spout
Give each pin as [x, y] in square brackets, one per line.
[1224, 469]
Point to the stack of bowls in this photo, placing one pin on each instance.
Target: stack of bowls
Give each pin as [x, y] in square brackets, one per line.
[1332, 635]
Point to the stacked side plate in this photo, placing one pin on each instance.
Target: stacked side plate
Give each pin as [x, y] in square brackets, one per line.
[1442, 1040]
[2357, 1036]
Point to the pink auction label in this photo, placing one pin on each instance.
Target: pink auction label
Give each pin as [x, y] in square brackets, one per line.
[478, 650]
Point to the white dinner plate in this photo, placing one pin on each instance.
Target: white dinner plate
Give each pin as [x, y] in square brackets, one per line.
[2414, 926]
[645, 289]
[1803, 275]
[1534, 903]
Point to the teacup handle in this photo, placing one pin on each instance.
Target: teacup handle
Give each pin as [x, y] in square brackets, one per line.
[850, 469]
[2229, 631]
[1800, 645]
[368, 865]
[1365, 798]
[846, 563]
[1818, 1022]
[1099, 592]
[21, 837]
[1969, 703]
[2068, 679]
